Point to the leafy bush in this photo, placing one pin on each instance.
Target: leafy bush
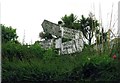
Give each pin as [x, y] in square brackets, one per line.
[36, 50]
[9, 50]
[49, 54]
[62, 68]
[35, 70]
[16, 50]
[102, 68]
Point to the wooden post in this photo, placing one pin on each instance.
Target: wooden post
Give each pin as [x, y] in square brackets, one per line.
[109, 38]
[60, 50]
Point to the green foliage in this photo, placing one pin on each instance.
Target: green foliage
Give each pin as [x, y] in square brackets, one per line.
[84, 66]
[36, 70]
[94, 68]
[115, 47]
[49, 54]
[88, 26]
[12, 49]
[36, 50]
[71, 21]
[8, 50]
[8, 34]
[33, 63]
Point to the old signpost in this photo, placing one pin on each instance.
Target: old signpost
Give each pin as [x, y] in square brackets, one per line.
[75, 45]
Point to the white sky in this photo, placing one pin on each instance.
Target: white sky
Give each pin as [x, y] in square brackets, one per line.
[28, 15]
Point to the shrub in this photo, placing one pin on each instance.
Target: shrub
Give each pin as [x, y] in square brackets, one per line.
[36, 50]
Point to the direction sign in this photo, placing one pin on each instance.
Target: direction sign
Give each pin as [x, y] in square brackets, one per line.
[47, 43]
[71, 33]
[76, 44]
[58, 31]
[72, 46]
[51, 28]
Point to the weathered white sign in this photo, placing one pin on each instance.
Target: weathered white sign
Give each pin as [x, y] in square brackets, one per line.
[58, 31]
[51, 28]
[47, 43]
[72, 46]
[71, 33]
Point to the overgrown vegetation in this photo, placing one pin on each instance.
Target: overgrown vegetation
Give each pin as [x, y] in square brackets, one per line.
[34, 63]
[85, 66]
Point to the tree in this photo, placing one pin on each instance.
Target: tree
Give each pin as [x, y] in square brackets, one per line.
[88, 26]
[70, 21]
[8, 34]
[10, 44]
